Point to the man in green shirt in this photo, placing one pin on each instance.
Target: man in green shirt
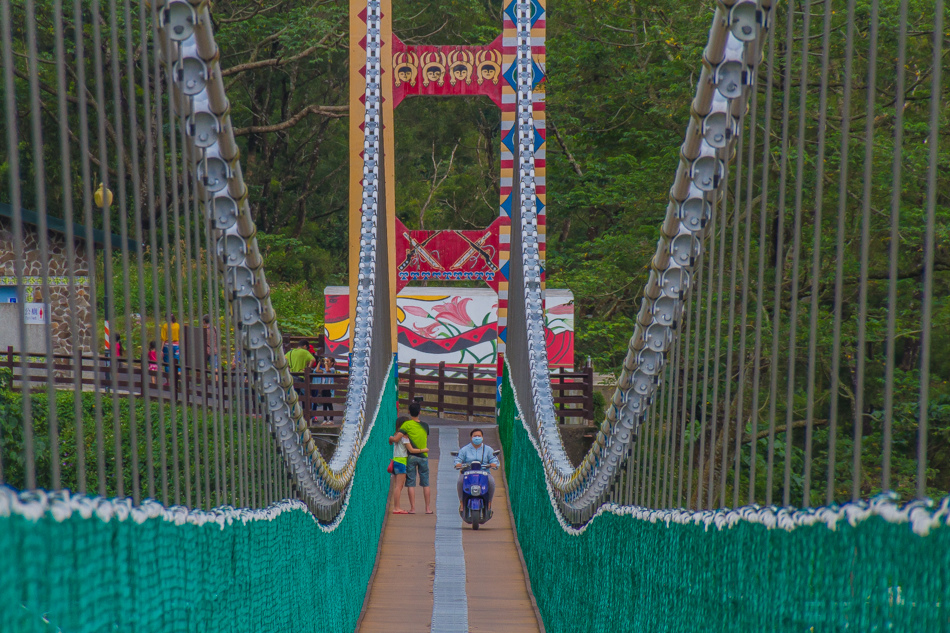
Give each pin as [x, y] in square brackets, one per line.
[419, 437]
[299, 358]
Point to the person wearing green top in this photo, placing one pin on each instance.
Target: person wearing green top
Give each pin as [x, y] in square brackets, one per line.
[299, 358]
[402, 447]
[417, 434]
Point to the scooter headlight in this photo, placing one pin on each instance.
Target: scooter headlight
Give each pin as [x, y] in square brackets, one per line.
[476, 490]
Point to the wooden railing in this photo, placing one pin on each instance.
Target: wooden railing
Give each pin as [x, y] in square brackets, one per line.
[467, 390]
[311, 386]
[470, 390]
[178, 380]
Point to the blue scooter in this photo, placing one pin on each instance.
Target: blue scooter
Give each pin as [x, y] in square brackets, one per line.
[475, 510]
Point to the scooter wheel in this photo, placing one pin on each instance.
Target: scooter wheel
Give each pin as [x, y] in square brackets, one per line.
[475, 524]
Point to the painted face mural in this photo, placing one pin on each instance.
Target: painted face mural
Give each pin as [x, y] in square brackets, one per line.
[461, 65]
[434, 74]
[488, 62]
[460, 73]
[433, 68]
[407, 67]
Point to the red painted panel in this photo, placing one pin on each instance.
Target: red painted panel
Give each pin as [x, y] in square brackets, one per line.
[447, 255]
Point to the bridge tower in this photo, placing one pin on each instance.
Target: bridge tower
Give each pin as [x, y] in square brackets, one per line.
[442, 71]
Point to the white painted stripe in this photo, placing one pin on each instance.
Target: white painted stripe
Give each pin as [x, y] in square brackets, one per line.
[449, 600]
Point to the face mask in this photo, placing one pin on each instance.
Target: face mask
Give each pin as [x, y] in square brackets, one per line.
[476, 441]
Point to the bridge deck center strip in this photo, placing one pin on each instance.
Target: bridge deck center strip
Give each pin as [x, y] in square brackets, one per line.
[450, 602]
[493, 581]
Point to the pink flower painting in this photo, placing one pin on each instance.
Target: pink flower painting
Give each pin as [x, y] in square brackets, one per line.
[428, 331]
[416, 311]
[454, 311]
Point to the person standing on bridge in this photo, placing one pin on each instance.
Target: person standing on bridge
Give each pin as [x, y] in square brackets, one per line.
[170, 337]
[327, 366]
[419, 437]
[477, 451]
[211, 342]
[298, 359]
[402, 447]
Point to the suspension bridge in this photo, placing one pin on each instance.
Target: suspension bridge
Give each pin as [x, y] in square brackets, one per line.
[774, 457]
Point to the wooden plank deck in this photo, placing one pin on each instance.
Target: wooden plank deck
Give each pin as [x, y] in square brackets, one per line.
[400, 597]
[498, 600]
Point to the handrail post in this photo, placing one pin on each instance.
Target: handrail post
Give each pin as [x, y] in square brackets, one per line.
[307, 400]
[470, 397]
[560, 381]
[589, 391]
[440, 406]
[10, 364]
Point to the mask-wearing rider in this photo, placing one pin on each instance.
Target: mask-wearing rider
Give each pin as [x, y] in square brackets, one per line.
[477, 450]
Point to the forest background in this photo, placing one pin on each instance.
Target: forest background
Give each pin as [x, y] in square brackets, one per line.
[619, 80]
[620, 77]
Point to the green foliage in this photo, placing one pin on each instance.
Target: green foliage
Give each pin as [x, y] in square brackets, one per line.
[181, 427]
[600, 402]
[620, 80]
[300, 308]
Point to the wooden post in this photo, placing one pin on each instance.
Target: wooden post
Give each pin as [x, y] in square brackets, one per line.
[306, 402]
[440, 406]
[470, 398]
[560, 381]
[142, 369]
[589, 391]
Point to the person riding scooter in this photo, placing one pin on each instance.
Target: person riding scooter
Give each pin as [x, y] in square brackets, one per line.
[477, 451]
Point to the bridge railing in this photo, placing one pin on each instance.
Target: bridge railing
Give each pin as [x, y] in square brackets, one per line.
[181, 381]
[312, 393]
[470, 390]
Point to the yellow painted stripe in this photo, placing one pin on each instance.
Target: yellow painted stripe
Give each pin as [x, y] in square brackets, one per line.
[424, 297]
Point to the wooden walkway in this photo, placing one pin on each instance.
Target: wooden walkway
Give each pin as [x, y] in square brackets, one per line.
[400, 597]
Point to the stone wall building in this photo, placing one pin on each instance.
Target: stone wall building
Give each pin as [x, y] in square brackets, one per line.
[58, 301]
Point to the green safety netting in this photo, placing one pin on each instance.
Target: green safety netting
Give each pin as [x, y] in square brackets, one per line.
[275, 571]
[625, 573]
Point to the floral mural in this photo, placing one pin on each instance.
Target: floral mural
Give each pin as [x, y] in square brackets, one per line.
[454, 325]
